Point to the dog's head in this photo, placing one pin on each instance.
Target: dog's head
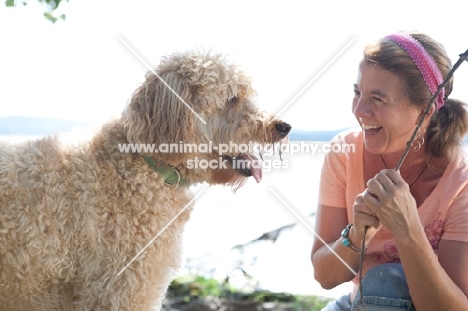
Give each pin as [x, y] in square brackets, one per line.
[199, 111]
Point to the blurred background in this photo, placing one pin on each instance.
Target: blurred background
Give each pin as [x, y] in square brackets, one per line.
[74, 74]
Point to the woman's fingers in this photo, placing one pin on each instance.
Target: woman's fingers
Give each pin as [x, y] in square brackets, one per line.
[389, 198]
[363, 216]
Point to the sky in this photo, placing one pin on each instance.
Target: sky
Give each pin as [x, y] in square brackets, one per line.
[303, 56]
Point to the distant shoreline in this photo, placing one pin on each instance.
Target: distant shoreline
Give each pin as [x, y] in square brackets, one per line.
[38, 127]
[35, 127]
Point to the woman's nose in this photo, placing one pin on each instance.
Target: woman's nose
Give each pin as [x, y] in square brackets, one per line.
[361, 107]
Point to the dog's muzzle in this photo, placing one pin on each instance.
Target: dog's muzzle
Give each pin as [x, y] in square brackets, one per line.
[283, 129]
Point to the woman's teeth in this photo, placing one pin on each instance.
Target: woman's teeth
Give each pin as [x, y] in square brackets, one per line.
[370, 127]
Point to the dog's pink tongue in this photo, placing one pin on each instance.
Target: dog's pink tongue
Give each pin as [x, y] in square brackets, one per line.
[255, 166]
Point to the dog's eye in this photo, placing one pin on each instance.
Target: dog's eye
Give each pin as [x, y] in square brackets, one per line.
[233, 101]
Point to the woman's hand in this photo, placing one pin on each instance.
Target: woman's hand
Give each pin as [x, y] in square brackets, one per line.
[388, 198]
[364, 216]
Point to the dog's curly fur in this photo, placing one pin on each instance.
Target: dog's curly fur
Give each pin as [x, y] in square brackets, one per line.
[71, 217]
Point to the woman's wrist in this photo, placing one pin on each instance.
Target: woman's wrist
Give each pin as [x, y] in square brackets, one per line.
[350, 240]
[410, 238]
[356, 236]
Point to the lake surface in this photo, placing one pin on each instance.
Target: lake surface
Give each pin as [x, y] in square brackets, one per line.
[221, 220]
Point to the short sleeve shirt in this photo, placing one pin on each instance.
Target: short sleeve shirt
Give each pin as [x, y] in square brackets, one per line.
[444, 213]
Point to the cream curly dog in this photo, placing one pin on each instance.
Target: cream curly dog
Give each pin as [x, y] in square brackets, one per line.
[72, 217]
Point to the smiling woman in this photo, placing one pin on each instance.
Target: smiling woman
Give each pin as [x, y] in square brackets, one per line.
[382, 109]
[413, 220]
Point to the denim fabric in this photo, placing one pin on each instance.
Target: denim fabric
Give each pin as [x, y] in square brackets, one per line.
[384, 289]
[341, 304]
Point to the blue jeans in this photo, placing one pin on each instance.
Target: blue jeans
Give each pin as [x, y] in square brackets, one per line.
[384, 288]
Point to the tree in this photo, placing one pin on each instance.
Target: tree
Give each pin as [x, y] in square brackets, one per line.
[49, 5]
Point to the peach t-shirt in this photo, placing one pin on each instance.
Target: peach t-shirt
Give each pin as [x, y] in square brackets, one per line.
[444, 214]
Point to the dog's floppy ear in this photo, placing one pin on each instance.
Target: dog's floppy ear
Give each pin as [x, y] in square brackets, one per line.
[155, 115]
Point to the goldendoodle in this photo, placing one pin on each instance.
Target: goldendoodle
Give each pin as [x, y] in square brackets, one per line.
[73, 218]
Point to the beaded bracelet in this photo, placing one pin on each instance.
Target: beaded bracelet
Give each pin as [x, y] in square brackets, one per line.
[346, 241]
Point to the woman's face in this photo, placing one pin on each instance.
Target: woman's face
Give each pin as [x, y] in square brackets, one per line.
[383, 109]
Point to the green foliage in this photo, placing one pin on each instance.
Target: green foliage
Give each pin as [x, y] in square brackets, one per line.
[306, 303]
[199, 286]
[53, 19]
[50, 7]
[192, 288]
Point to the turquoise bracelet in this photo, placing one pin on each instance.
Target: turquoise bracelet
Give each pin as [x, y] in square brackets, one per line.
[346, 241]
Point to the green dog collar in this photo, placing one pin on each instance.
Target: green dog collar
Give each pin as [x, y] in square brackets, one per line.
[169, 172]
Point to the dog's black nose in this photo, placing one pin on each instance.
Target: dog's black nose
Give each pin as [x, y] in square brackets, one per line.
[283, 128]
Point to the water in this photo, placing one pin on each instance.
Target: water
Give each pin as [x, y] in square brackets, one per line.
[222, 220]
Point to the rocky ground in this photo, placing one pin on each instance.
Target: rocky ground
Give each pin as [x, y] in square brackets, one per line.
[219, 304]
[202, 294]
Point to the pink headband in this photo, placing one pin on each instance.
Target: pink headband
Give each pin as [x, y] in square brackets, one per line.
[424, 61]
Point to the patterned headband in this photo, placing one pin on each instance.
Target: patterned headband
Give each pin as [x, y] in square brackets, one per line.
[424, 61]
